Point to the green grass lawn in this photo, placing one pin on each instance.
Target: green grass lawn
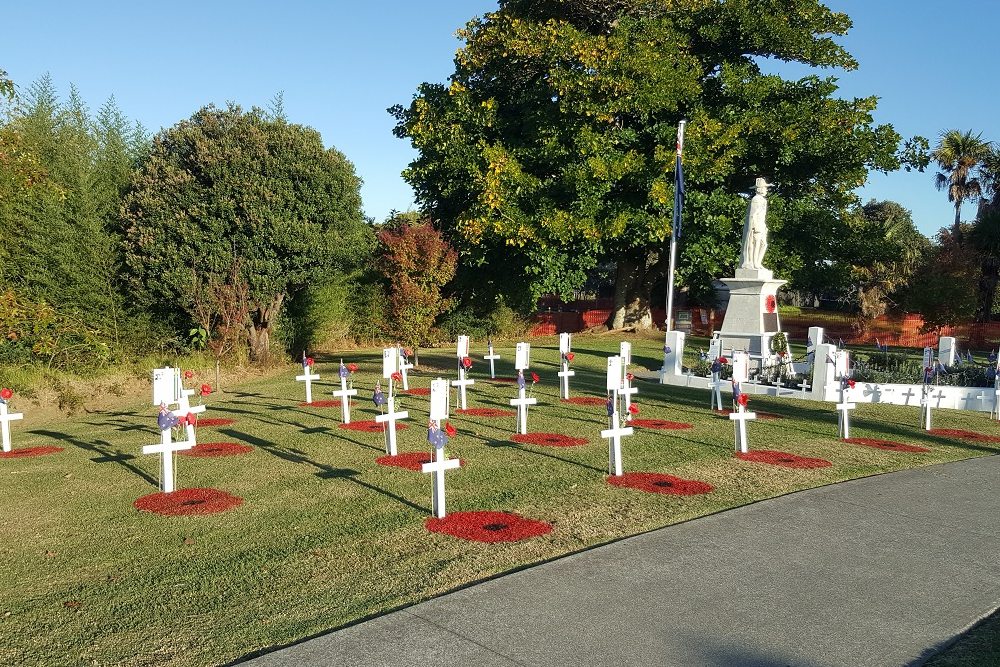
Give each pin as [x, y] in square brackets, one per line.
[326, 536]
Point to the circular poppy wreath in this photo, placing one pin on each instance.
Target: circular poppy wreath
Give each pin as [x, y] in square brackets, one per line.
[487, 412]
[760, 415]
[188, 501]
[660, 424]
[207, 449]
[409, 460]
[216, 422]
[370, 426]
[29, 452]
[964, 435]
[325, 404]
[548, 440]
[887, 445]
[654, 482]
[418, 391]
[585, 400]
[783, 459]
[488, 526]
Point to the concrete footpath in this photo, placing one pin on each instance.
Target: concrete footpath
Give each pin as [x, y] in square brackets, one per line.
[876, 571]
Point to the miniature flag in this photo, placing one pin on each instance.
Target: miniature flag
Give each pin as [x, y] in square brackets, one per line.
[343, 369]
[520, 379]
[378, 397]
[436, 436]
[610, 405]
[166, 420]
[678, 192]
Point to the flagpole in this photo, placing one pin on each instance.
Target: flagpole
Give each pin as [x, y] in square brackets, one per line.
[673, 236]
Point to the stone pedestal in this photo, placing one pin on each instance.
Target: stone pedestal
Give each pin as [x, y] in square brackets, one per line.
[748, 324]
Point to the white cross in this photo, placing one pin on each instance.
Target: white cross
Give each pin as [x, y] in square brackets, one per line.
[438, 466]
[492, 357]
[614, 436]
[183, 408]
[565, 374]
[925, 408]
[461, 383]
[996, 404]
[844, 418]
[716, 392]
[345, 399]
[522, 404]
[389, 419]
[741, 416]
[166, 450]
[307, 377]
[5, 419]
[627, 390]
[403, 367]
[804, 385]
[983, 397]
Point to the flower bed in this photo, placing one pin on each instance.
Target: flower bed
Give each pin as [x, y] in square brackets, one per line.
[660, 424]
[760, 415]
[486, 412]
[548, 440]
[215, 422]
[887, 445]
[654, 482]
[417, 391]
[585, 400]
[29, 452]
[488, 526]
[370, 426]
[505, 380]
[783, 459]
[408, 460]
[325, 404]
[188, 501]
[207, 449]
[964, 435]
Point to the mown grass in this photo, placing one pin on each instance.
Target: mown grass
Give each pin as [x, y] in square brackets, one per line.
[326, 536]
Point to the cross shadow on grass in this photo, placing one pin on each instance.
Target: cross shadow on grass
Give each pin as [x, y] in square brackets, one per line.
[323, 471]
[108, 453]
[514, 445]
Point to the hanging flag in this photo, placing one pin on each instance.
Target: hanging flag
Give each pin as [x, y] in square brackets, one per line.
[679, 183]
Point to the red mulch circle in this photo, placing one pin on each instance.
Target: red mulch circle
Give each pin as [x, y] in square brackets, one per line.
[29, 452]
[324, 404]
[585, 400]
[370, 426]
[408, 460]
[654, 482]
[418, 391]
[510, 380]
[887, 445]
[548, 440]
[782, 459]
[188, 501]
[215, 422]
[760, 415]
[488, 526]
[964, 435]
[205, 449]
[660, 424]
[487, 412]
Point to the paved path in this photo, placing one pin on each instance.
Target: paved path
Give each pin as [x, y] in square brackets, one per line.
[871, 572]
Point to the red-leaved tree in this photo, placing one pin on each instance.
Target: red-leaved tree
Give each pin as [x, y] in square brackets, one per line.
[417, 262]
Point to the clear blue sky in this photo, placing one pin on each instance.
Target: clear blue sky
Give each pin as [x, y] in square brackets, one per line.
[341, 64]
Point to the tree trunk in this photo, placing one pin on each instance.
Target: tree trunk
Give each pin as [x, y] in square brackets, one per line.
[634, 280]
[988, 288]
[259, 331]
[957, 232]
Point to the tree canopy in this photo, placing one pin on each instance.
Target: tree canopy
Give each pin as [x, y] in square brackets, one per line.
[553, 146]
[229, 187]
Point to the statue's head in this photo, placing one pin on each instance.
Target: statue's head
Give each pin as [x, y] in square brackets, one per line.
[762, 186]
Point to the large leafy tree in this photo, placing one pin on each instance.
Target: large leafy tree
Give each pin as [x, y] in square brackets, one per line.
[958, 154]
[229, 187]
[552, 149]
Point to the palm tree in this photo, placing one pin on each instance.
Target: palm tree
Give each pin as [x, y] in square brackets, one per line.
[958, 155]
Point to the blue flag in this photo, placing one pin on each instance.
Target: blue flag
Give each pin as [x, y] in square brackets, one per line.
[678, 196]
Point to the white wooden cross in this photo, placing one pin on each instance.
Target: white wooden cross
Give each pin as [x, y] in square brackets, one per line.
[716, 392]
[625, 352]
[389, 418]
[345, 396]
[462, 382]
[565, 347]
[439, 411]
[391, 359]
[5, 419]
[404, 366]
[740, 417]
[307, 377]
[522, 358]
[925, 407]
[616, 432]
[166, 450]
[492, 357]
[844, 418]
[804, 385]
[183, 408]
